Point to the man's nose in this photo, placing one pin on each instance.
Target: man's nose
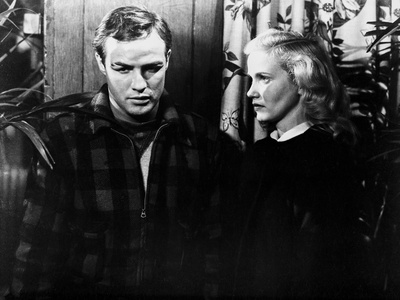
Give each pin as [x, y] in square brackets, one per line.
[138, 81]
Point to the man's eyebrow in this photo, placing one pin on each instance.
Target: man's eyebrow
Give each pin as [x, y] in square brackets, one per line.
[120, 64]
[156, 63]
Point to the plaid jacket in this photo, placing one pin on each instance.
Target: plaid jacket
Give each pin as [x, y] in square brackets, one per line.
[89, 225]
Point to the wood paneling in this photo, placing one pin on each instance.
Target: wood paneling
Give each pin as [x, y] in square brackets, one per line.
[207, 58]
[179, 16]
[194, 75]
[49, 48]
[65, 35]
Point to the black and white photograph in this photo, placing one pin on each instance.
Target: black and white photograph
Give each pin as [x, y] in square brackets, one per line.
[199, 149]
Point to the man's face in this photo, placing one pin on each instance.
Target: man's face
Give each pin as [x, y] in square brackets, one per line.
[135, 73]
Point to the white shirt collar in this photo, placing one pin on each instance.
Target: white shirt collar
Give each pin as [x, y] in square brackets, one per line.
[291, 133]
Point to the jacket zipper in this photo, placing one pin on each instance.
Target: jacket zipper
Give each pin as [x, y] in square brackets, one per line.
[141, 262]
[143, 213]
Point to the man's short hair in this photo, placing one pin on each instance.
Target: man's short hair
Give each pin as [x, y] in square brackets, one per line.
[130, 23]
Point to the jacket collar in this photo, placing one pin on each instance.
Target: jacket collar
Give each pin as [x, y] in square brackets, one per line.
[101, 105]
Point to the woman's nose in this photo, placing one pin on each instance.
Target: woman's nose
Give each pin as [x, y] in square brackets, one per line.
[252, 92]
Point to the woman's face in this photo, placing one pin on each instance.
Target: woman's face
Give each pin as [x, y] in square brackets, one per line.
[276, 99]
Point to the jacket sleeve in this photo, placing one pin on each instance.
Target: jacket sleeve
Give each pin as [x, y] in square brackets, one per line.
[43, 235]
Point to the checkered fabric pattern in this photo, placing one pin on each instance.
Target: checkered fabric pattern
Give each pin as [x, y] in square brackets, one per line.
[90, 223]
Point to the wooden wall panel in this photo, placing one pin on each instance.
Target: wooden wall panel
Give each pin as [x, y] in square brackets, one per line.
[49, 32]
[179, 16]
[93, 13]
[193, 77]
[207, 58]
[66, 34]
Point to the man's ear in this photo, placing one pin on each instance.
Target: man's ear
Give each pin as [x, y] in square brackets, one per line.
[100, 64]
[167, 59]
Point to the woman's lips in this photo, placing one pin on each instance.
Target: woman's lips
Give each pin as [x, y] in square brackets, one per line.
[257, 106]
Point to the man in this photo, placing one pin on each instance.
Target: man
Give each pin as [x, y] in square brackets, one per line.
[128, 205]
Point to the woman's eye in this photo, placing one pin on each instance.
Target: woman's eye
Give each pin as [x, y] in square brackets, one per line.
[264, 78]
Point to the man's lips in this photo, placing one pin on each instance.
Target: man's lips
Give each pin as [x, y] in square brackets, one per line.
[139, 100]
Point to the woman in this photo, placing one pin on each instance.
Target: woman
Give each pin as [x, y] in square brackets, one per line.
[298, 189]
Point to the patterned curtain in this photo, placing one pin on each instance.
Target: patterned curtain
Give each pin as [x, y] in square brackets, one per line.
[342, 24]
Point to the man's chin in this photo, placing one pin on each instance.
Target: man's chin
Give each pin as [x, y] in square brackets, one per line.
[142, 115]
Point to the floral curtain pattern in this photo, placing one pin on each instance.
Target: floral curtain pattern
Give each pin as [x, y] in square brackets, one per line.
[237, 29]
[342, 25]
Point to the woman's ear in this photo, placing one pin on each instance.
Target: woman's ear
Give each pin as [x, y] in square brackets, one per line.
[301, 93]
[100, 63]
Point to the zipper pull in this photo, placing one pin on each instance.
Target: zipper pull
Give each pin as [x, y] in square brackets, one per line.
[143, 214]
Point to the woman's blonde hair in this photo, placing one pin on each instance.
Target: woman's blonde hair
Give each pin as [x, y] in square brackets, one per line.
[309, 66]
